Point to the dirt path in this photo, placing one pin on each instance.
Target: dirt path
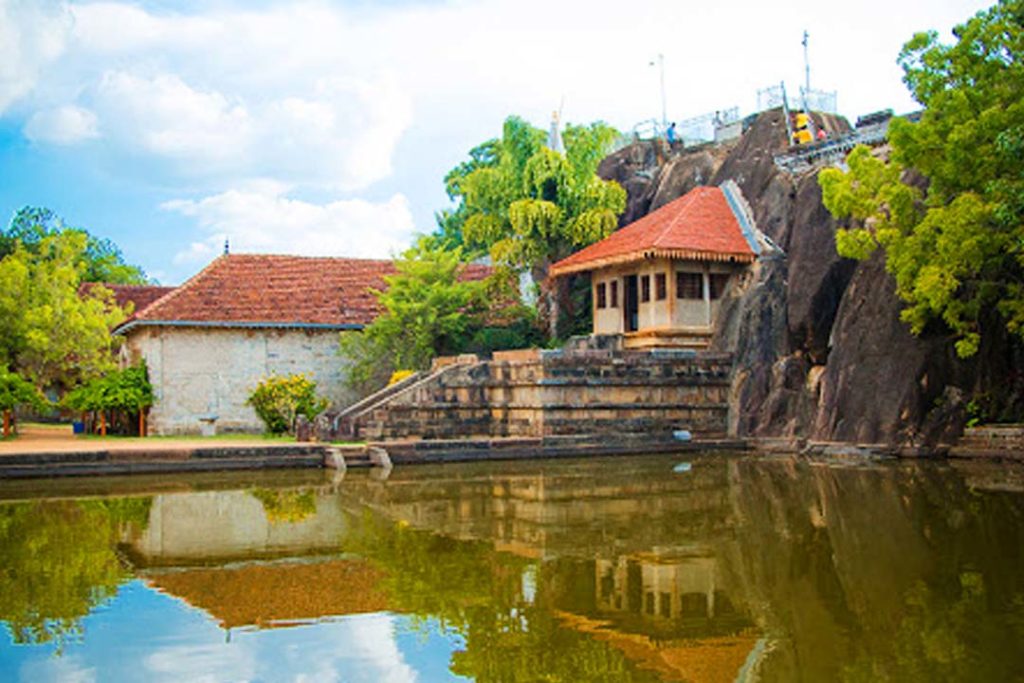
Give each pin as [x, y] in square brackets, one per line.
[35, 438]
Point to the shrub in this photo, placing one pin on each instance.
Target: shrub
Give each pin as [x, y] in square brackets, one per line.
[278, 401]
[127, 391]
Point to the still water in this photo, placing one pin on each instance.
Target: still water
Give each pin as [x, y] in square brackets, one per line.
[740, 569]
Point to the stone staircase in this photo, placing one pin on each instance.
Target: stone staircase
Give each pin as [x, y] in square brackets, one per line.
[545, 394]
[995, 441]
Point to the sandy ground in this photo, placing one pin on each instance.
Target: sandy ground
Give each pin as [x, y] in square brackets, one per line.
[34, 438]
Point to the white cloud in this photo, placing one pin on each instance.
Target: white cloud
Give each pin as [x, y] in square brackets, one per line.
[68, 668]
[261, 219]
[167, 117]
[33, 34]
[65, 125]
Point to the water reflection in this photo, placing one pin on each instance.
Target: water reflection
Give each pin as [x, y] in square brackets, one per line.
[739, 569]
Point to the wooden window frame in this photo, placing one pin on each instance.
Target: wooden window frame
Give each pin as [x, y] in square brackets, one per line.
[645, 288]
[717, 284]
[601, 300]
[685, 291]
[614, 295]
[660, 286]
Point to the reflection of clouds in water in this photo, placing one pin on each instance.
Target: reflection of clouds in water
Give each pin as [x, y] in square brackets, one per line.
[373, 636]
[201, 663]
[358, 648]
[66, 669]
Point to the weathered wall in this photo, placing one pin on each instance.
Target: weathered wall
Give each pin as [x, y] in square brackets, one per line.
[820, 350]
[205, 526]
[560, 393]
[695, 315]
[208, 371]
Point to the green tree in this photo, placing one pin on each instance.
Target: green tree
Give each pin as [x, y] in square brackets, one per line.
[279, 401]
[102, 259]
[128, 391]
[429, 309]
[956, 251]
[16, 391]
[51, 333]
[528, 205]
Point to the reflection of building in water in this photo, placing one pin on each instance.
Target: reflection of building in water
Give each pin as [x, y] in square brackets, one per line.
[676, 594]
[202, 527]
[667, 611]
[277, 594]
[543, 513]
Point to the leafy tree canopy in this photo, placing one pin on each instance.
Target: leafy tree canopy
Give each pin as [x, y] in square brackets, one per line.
[16, 391]
[957, 251]
[128, 390]
[529, 205]
[102, 259]
[51, 333]
[428, 310]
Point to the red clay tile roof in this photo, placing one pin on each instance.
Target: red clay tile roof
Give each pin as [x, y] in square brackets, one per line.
[139, 296]
[699, 226]
[279, 291]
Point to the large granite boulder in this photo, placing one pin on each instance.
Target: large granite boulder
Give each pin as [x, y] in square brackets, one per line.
[820, 349]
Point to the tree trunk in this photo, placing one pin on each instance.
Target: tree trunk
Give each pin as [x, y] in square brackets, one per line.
[103, 423]
[142, 421]
[7, 423]
[547, 304]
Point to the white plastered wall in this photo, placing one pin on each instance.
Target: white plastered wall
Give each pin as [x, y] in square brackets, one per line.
[201, 372]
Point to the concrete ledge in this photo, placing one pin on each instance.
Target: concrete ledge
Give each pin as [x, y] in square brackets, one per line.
[201, 458]
[207, 459]
[568, 446]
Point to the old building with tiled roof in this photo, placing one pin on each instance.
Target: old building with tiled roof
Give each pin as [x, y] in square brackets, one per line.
[132, 298]
[209, 342]
[658, 281]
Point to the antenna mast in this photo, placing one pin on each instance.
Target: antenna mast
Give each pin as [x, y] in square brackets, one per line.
[807, 66]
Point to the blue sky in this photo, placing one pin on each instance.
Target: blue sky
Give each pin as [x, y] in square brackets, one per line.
[326, 128]
[142, 634]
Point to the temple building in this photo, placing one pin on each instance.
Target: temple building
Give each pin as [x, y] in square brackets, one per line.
[659, 280]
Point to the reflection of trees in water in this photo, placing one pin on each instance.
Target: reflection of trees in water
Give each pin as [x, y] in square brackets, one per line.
[865, 572]
[281, 505]
[825, 560]
[949, 636]
[59, 562]
[510, 633]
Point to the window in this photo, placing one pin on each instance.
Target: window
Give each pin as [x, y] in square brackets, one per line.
[689, 286]
[665, 603]
[615, 294]
[601, 303]
[645, 288]
[660, 286]
[717, 284]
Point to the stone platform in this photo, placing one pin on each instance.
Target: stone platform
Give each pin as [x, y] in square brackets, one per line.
[1002, 442]
[641, 395]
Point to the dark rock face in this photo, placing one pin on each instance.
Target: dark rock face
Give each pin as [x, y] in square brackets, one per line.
[636, 168]
[873, 387]
[820, 349]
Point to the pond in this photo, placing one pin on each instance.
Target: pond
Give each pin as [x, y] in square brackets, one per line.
[733, 568]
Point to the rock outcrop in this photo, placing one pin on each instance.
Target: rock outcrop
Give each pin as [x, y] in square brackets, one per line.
[821, 352]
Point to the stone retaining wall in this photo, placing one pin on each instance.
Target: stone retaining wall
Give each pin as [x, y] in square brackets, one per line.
[550, 393]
